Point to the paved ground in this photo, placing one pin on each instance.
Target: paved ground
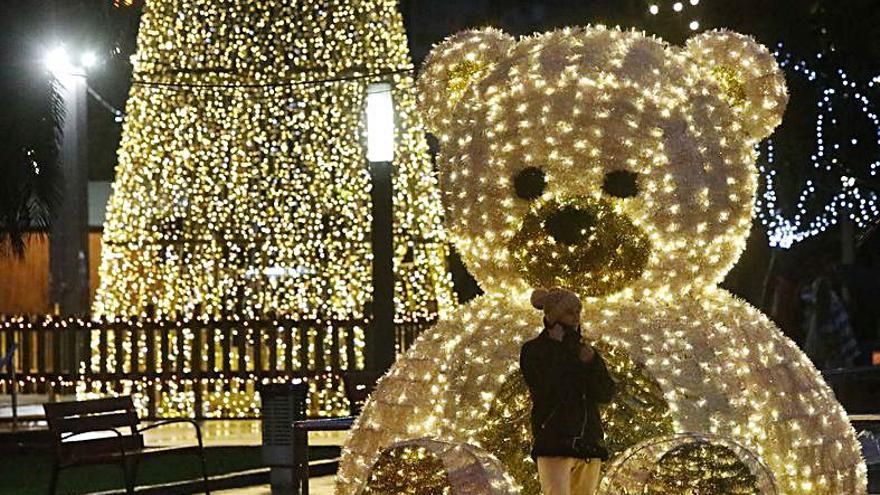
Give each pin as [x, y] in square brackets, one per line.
[215, 433]
[318, 486]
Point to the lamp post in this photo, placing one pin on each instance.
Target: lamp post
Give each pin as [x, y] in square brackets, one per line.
[380, 342]
[68, 239]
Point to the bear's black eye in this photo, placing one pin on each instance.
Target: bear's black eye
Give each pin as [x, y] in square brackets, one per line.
[530, 183]
[620, 184]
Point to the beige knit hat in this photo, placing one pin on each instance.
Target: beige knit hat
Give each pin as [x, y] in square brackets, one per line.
[555, 302]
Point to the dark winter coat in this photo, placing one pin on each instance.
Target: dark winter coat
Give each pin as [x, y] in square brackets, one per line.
[566, 393]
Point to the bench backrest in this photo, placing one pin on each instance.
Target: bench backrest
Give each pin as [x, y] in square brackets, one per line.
[97, 415]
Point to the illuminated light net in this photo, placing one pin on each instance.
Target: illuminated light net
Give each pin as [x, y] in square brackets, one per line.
[638, 413]
[688, 464]
[429, 467]
[582, 105]
[862, 206]
[243, 186]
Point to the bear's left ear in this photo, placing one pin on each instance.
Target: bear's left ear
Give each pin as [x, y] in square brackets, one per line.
[748, 76]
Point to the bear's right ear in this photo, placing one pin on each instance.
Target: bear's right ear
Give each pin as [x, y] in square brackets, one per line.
[451, 70]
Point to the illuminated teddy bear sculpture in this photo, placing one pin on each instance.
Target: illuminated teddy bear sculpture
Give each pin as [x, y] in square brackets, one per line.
[611, 163]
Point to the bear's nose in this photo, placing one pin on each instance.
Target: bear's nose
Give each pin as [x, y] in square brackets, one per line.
[570, 225]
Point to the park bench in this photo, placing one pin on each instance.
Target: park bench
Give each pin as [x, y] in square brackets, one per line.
[358, 386]
[92, 432]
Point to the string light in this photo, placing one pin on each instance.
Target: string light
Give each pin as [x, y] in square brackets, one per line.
[544, 127]
[429, 467]
[168, 383]
[678, 7]
[243, 185]
[849, 200]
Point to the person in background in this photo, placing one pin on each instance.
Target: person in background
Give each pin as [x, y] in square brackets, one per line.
[830, 342]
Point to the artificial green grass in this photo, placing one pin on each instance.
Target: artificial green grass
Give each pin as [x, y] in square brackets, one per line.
[29, 474]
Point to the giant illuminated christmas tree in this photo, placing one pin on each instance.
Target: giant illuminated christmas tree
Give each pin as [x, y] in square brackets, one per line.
[243, 183]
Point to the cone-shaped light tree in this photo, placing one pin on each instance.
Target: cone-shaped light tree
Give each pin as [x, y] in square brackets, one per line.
[243, 185]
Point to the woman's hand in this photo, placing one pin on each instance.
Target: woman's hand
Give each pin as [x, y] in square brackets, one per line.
[587, 353]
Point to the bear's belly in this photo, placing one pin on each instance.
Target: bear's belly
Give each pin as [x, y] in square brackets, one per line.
[714, 366]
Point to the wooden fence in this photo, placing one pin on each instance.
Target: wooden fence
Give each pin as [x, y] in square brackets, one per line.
[201, 358]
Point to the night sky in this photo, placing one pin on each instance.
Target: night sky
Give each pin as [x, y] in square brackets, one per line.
[852, 27]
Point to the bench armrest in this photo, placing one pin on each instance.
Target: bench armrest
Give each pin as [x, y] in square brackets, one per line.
[176, 421]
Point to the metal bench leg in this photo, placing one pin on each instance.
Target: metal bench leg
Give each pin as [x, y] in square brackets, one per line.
[53, 481]
[204, 472]
[129, 471]
[304, 477]
[301, 462]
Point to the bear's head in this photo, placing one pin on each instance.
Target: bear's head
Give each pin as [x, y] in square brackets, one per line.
[600, 159]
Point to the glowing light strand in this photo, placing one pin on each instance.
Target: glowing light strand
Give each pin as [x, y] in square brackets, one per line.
[859, 205]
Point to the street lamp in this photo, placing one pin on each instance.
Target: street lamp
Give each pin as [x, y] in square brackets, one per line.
[88, 60]
[380, 123]
[380, 153]
[68, 240]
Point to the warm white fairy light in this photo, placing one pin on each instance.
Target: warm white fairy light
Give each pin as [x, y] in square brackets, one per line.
[559, 122]
[849, 200]
[243, 184]
[677, 7]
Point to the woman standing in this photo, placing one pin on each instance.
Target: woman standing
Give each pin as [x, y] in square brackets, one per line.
[567, 381]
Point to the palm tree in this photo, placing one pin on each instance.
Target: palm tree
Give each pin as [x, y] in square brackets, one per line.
[31, 114]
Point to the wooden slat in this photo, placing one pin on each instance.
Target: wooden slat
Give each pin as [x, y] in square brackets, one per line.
[197, 369]
[257, 336]
[227, 349]
[289, 331]
[150, 336]
[181, 348]
[303, 348]
[87, 451]
[102, 349]
[197, 346]
[320, 334]
[212, 349]
[25, 349]
[95, 422]
[241, 343]
[56, 341]
[69, 408]
[164, 348]
[71, 340]
[41, 349]
[334, 343]
[349, 347]
[119, 334]
[135, 367]
[273, 348]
